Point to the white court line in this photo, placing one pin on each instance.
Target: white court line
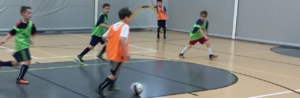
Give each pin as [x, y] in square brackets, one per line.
[129, 45]
[10, 50]
[88, 55]
[279, 93]
[34, 57]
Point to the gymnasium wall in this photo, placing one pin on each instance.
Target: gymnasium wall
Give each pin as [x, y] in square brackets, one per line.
[269, 21]
[145, 18]
[185, 13]
[49, 14]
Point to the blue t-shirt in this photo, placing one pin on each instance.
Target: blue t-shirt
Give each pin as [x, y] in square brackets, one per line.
[199, 22]
[165, 8]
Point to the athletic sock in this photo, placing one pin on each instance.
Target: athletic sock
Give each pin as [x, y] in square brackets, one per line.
[102, 51]
[209, 51]
[6, 63]
[23, 71]
[105, 83]
[184, 50]
[113, 83]
[86, 50]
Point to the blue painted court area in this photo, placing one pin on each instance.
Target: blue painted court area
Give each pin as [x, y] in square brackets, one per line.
[70, 80]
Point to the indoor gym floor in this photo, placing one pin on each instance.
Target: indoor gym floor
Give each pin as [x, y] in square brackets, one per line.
[242, 70]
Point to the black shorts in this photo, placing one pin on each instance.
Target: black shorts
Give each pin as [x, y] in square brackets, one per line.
[161, 23]
[95, 40]
[22, 55]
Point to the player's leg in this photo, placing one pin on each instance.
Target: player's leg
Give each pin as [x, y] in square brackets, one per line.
[110, 80]
[9, 63]
[102, 51]
[159, 22]
[207, 44]
[191, 43]
[23, 56]
[93, 43]
[164, 28]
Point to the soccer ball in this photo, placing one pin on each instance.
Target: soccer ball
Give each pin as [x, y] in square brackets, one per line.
[137, 88]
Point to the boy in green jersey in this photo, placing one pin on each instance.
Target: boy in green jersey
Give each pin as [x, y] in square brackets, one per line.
[24, 32]
[97, 33]
[199, 34]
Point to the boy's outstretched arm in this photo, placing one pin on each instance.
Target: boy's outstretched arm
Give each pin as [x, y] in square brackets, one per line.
[104, 25]
[153, 3]
[205, 36]
[8, 36]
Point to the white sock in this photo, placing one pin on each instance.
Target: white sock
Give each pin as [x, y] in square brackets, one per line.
[209, 51]
[184, 50]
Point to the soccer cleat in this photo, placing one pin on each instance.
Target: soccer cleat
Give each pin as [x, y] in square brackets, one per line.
[100, 92]
[211, 57]
[101, 58]
[79, 58]
[181, 56]
[113, 89]
[22, 81]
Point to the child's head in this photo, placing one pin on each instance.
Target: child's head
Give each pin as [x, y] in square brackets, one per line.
[106, 8]
[159, 2]
[124, 15]
[26, 12]
[203, 15]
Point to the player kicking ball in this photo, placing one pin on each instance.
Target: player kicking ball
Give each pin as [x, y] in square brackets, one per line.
[199, 34]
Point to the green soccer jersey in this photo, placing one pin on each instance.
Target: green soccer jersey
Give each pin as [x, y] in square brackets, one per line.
[98, 30]
[23, 37]
[195, 33]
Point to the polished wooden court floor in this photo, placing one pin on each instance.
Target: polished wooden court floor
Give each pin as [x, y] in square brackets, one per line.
[261, 73]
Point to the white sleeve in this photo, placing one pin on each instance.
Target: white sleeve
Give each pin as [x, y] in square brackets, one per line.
[106, 34]
[125, 31]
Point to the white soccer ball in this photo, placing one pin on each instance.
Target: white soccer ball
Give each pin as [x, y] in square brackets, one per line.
[137, 88]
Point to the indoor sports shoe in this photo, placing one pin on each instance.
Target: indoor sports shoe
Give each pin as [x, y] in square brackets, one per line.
[79, 58]
[22, 81]
[113, 89]
[100, 92]
[211, 57]
[181, 56]
[101, 58]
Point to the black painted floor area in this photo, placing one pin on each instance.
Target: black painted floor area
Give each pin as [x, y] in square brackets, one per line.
[289, 51]
[68, 80]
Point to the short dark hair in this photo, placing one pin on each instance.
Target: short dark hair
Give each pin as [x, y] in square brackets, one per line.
[105, 5]
[203, 12]
[24, 8]
[124, 12]
[159, 0]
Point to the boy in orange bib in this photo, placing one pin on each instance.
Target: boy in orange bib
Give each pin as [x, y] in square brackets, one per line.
[116, 48]
[162, 16]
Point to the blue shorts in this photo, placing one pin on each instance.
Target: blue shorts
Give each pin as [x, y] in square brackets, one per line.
[22, 55]
[95, 40]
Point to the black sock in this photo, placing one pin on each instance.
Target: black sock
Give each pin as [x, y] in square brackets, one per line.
[105, 84]
[113, 83]
[85, 51]
[164, 28]
[158, 31]
[6, 64]
[23, 71]
[102, 51]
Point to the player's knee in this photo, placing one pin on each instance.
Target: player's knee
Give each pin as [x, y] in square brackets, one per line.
[207, 44]
[190, 46]
[91, 47]
[112, 77]
[27, 62]
[15, 63]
